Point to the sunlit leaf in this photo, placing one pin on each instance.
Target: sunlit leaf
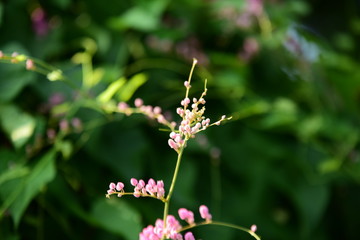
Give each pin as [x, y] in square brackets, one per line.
[111, 90]
[18, 125]
[128, 90]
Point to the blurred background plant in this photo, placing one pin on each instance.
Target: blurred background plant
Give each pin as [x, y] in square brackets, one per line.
[287, 71]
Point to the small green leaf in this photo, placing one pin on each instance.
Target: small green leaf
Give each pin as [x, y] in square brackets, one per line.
[118, 217]
[128, 90]
[18, 125]
[111, 90]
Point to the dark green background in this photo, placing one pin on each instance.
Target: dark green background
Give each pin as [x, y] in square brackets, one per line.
[289, 157]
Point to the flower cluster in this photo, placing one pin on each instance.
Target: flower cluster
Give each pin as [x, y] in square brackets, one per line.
[141, 189]
[193, 120]
[172, 228]
[147, 110]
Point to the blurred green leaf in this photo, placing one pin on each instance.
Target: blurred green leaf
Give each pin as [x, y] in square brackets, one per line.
[128, 90]
[118, 217]
[312, 201]
[330, 165]
[310, 126]
[18, 125]
[12, 173]
[42, 173]
[111, 90]
[283, 113]
[144, 17]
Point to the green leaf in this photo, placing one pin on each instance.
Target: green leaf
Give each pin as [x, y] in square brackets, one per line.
[118, 217]
[111, 90]
[42, 173]
[18, 125]
[311, 201]
[144, 17]
[128, 90]
[12, 173]
[284, 113]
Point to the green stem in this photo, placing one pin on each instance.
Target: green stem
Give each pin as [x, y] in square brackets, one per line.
[229, 225]
[167, 200]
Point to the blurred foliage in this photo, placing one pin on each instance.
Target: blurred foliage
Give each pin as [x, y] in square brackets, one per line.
[287, 71]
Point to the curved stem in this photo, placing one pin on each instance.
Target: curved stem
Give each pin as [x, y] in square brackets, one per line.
[229, 225]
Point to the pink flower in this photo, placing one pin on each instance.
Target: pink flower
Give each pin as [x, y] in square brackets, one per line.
[119, 186]
[112, 186]
[204, 213]
[40, 24]
[186, 215]
[189, 236]
[187, 84]
[133, 181]
[155, 233]
[253, 228]
[30, 64]
[173, 144]
[138, 102]
[122, 106]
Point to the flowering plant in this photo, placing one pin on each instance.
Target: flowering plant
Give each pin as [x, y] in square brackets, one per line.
[192, 122]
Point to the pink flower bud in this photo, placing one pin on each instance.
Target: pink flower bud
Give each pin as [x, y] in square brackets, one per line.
[157, 110]
[138, 102]
[253, 228]
[30, 64]
[187, 101]
[112, 186]
[189, 236]
[133, 181]
[161, 119]
[172, 135]
[173, 144]
[160, 184]
[119, 186]
[122, 106]
[151, 182]
[141, 183]
[186, 215]
[204, 213]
